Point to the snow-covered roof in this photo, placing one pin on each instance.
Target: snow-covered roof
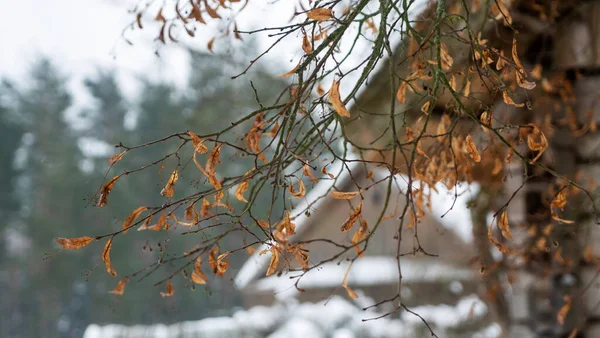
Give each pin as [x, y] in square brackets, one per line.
[336, 317]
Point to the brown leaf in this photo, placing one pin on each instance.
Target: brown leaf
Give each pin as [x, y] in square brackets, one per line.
[467, 90]
[472, 149]
[447, 60]
[168, 190]
[286, 225]
[106, 258]
[324, 171]
[213, 159]
[301, 190]
[198, 275]
[504, 226]
[558, 219]
[105, 191]
[425, 107]
[210, 44]
[264, 225]
[169, 292]
[138, 19]
[204, 210]
[211, 12]
[120, 288]
[515, 55]
[498, 245]
[74, 243]
[116, 158]
[222, 264]
[306, 171]
[354, 216]
[196, 13]
[191, 214]
[560, 200]
[306, 45]
[320, 90]
[158, 226]
[131, 218]
[241, 189]
[291, 72]
[536, 141]
[522, 81]
[160, 17]
[198, 143]
[336, 101]
[320, 14]
[360, 234]
[339, 195]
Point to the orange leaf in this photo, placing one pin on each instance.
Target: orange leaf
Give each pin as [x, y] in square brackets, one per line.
[472, 149]
[291, 72]
[354, 216]
[191, 214]
[168, 190]
[158, 226]
[498, 245]
[560, 200]
[508, 100]
[198, 276]
[105, 191]
[198, 143]
[339, 195]
[106, 258]
[320, 90]
[120, 288]
[320, 14]
[401, 93]
[564, 310]
[131, 218]
[74, 243]
[116, 158]
[336, 101]
[308, 173]
[360, 234]
[350, 292]
[263, 224]
[169, 292]
[274, 261]
[301, 190]
[204, 211]
[213, 159]
[222, 264]
[241, 189]
[306, 46]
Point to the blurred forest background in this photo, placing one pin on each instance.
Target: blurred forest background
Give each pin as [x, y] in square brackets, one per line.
[51, 167]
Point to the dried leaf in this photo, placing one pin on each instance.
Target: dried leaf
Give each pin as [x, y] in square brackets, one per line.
[301, 190]
[286, 227]
[74, 243]
[210, 44]
[467, 90]
[274, 261]
[120, 288]
[508, 100]
[264, 225]
[425, 107]
[522, 82]
[324, 171]
[241, 189]
[211, 12]
[158, 226]
[320, 90]
[306, 171]
[204, 210]
[106, 258]
[498, 245]
[564, 310]
[116, 158]
[198, 275]
[213, 159]
[504, 226]
[306, 45]
[401, 93]
[354, 216]
[447, 60]
[168, 190]
[360, 234]
[558, 219]
[131, 218]
[191, 214]
[160, 17]
[138, 19]
[222, 264]
[472, 149]
[350, 292]
[515, 55]
[336, 101]
[560, 200]
[339, 195]
[320, 14]
[169, 292]
[291, 72]
[105, 191]
[198, 143]
[196, 13]
[536, 141]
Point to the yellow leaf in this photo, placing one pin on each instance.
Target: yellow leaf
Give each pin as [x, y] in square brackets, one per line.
[198, 275]
[354, 216]
[301, 190]
[472, 149]
[105, 191]
[320, 14]
[168, 190]
[504, 226]
[74, 243]
[306, 46]
[120, 288]
[169, 292]
[116, 158]
[131, 218]
[106, 258]
[339, 195]
[336, 101]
